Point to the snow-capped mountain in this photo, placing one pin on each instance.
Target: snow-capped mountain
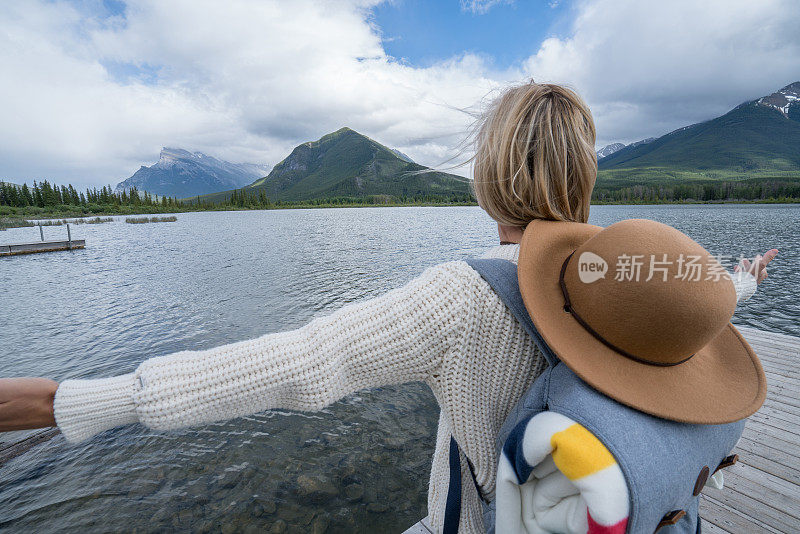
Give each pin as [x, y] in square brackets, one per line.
[787, 101]
[616, 147]
[609, 149]
[757, 138]
[180, 173]
[642, 142]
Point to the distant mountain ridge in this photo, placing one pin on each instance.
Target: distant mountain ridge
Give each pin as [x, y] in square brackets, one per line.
[401, 155]
[613, 148]
[180, 173]
[609, 149]
[786, 100]
[348, 164]
[758, 137]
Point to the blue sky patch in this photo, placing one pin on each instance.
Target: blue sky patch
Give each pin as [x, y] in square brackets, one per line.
[425, 32]
[126, 72]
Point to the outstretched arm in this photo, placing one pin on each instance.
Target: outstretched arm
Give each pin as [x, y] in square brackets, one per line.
[26, 403]
[401, 336]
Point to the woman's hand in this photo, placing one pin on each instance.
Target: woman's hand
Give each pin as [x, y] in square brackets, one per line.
[758, 267]
[26, 403]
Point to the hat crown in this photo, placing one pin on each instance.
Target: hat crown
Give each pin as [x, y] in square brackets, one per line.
[650, 290]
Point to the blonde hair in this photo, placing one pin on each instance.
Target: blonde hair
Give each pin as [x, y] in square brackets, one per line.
[535, 156]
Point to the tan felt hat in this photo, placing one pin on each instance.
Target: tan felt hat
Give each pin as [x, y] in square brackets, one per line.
[641, 312]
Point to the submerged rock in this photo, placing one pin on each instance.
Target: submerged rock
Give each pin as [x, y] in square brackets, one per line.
[278, 527]
[320, 525]
[377, 507]
[354, 492]
[228, 479]
[316, 488]
[264, 507]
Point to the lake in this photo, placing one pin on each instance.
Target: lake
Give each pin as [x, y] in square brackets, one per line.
[145, 290]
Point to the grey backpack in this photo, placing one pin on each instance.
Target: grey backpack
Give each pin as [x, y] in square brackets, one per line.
[665, 463]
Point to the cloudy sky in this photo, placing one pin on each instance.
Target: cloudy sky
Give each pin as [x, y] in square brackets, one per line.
[90, 90]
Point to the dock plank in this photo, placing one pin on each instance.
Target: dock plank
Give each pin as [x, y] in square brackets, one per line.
[418, 528]
[774, 411]
[713, 529]
[774, 420]
[768, 459]
[729, 519]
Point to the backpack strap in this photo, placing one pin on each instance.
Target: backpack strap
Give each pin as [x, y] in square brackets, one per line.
[452, 507]
[501, 275]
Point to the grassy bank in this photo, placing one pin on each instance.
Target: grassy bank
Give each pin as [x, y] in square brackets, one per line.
[145, 220]
[12, 217]
[17, 222]
[69, 211]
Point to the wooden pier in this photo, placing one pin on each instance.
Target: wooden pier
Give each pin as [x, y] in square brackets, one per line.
[762, 491]
[43, 246]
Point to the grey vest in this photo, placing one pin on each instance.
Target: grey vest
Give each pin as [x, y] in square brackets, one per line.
[665, 463]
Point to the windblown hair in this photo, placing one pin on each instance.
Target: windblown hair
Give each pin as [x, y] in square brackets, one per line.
[535, 156]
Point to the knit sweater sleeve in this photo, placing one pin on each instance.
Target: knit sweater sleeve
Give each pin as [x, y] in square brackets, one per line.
[745, 285]
[399, 337]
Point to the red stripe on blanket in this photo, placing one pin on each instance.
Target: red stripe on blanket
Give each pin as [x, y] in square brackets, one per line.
[597, 528]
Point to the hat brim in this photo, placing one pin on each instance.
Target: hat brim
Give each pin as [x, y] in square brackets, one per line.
[723, 382]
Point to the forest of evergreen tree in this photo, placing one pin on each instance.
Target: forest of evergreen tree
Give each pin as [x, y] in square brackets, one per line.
[779, 190]
[44, 199]
[47, 195]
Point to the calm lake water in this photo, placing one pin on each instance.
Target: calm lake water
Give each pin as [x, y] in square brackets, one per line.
[145, 290]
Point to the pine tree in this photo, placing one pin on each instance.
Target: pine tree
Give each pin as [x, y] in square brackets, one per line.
[38, 199]
[26, 195]
[73, 195]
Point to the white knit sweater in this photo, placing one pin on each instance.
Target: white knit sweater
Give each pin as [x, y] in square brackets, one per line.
[446, 328]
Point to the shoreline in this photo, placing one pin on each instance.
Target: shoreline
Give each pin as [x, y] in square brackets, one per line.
[14, 220]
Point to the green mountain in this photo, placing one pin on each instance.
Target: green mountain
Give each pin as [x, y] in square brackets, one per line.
[347, 164]
[758, 139]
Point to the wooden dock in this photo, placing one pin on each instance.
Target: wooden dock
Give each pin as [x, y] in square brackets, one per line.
[762, 491]
[41, 246]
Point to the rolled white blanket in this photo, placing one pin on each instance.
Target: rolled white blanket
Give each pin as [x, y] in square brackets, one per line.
[564, 481]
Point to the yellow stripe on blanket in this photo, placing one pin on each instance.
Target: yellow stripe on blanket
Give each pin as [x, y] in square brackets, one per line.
[577, 453]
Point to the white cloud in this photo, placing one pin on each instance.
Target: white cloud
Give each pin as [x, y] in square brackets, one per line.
[647, 68]
[247, 80]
